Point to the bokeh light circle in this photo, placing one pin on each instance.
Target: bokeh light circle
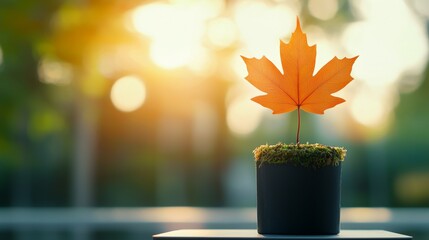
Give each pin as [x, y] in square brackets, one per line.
[128, 93]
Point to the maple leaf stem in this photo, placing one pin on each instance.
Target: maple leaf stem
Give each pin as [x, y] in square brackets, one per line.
[299, 126]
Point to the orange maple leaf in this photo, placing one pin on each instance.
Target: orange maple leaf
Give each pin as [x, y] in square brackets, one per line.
[297, 87]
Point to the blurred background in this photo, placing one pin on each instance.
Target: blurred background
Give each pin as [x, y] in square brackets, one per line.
[133, 106]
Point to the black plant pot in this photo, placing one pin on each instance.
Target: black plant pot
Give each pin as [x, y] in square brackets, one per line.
[297, 200]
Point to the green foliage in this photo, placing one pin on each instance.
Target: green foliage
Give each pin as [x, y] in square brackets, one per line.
[306, 155]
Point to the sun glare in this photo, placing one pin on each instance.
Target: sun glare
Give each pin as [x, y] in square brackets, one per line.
[190, 34]
[391, 44]
[261, 26]
[243, 117]
[128, 93]
[323, 9]
[175, 31]
[170, 56]
[222, 32]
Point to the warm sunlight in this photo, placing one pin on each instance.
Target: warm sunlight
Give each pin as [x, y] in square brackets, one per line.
[53, 72]
[323, 9]
[391, 45]
[368, 112]
[186, 35]
[243, 116]
[128, 93]
[175, 31]
[393, 51]
[112, 110]
[170, 56]
[366, 214]
[261, 26]
[222, 32]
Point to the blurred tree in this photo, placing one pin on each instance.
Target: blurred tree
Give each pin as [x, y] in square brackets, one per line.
[31, 130]
[408, 148]
[83, 34]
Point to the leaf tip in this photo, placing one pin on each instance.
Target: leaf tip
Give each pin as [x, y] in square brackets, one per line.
[244, 58]
[298, 25]
[351, 59]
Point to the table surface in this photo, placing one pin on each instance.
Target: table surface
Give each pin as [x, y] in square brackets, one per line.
[248, 234]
